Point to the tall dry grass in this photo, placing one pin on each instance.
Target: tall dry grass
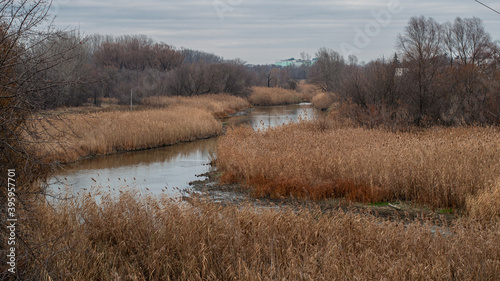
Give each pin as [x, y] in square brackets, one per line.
[323, 100]
[308, 91]
[76, 135]
[440, 167]
[132, 238]
[221, 105]
[485, 206]
[274, 96]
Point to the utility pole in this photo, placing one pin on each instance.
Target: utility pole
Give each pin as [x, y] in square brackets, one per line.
[130, 99]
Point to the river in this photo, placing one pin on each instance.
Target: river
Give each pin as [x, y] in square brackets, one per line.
[167, 170]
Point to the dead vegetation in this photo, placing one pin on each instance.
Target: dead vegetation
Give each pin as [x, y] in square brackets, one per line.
[161, 121]
[439, 167]
[221, 105]
[157, 239]
[274, 96]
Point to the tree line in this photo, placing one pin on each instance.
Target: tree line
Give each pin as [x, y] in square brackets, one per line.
[442, 73]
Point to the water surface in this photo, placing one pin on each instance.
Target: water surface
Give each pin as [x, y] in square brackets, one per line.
[168, 169]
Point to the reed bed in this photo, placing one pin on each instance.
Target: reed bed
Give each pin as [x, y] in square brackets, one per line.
[308, 91]
[441, 167]
[222, 105]
[76, 135]
[323, 101]
[131, 238]
[274, 96]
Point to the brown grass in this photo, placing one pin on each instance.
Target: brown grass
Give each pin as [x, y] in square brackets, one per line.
[439, 167]
[132, 238]
[77, 135]
[274, 96]
[323, 101]
[308, 91]
[221, 105]
[485, 206]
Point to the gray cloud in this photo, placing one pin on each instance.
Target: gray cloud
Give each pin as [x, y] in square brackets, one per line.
[261, 31]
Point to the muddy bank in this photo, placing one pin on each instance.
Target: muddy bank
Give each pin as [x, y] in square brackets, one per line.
[212, 189]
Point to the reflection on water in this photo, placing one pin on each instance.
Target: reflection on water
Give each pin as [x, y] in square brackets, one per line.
[156, 169]
[169, 169]
[270, 116]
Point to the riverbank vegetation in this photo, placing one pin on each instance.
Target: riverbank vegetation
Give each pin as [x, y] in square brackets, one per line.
[78, 135]
[221, 105]
[161, 121]
[158, 239]
[386, 155]
[323, 101]
[438, 167]
[274, 96]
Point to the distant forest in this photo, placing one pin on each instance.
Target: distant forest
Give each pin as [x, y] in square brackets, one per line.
[111, 67]
[441, 73]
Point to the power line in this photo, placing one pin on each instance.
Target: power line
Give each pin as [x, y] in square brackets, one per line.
[488, 7]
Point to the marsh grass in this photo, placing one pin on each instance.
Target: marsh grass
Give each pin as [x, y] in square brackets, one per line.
[73, 136]
[150, 238]
[323, 100]
[161, 121]
[274, 96]
[221, 105]
[439, 167]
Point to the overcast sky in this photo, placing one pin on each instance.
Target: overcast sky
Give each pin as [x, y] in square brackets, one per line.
[261, 32]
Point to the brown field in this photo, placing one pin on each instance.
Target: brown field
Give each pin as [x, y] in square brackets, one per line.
[77, 135]
[274, 96]
[134, 238]
[440, 167]
[221, 105]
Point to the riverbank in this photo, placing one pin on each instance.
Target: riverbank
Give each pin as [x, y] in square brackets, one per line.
[443, 168]
[238, 193]
[67, 137]
[153, 238]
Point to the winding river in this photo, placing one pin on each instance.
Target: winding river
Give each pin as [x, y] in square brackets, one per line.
[166, 170]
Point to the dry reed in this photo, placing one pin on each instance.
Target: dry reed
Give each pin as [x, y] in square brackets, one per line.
[323, 101]
[439, 167]
[274, 96]
[221, 105]
[308, 91]
[134, 238]
[77, 135]
[485, 206]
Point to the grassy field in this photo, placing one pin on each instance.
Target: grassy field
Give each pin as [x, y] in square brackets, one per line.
[161, 121]
[133, 238]
[439, 167]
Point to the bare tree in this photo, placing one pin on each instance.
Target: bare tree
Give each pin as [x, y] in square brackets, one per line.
[421, 47]
[27, 55]
[467, 40]
[327, 70]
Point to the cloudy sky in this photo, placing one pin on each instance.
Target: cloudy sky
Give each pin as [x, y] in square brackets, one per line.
[261, 32]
